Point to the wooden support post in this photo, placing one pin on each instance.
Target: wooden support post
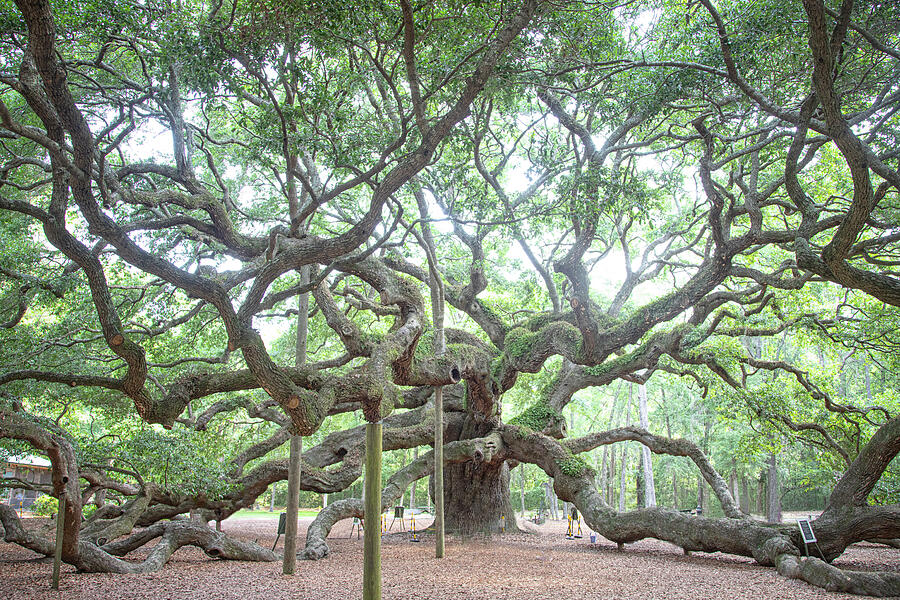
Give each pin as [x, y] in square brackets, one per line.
[60, 523]
[289, 563]
[439, 472]
[372, 534]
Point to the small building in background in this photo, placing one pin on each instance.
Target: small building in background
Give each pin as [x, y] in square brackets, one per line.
[30, 469]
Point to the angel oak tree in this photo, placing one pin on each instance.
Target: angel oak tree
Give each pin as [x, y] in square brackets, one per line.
[597, 192]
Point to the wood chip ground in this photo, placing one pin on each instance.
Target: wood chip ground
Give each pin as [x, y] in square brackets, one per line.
[541, 565]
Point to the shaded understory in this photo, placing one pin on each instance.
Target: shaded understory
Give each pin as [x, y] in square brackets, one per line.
[510, 566]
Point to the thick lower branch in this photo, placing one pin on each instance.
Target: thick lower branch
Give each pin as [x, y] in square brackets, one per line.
[663, 445]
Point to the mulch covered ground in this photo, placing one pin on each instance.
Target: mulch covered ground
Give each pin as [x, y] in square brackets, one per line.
[541, 565]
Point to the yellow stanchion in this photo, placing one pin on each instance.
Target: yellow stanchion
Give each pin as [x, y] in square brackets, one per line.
[573, 531]
[413, 536]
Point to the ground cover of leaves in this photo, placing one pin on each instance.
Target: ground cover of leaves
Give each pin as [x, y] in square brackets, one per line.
[517, 566]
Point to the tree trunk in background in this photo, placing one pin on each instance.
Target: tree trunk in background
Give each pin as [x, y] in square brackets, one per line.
[649, 492]
[623, 463]
[733, 482]
[550, 501]
[761, 494]
[272, 497]
[702, 495]
[640, 488]
[412, 489]
[554, 502]
[674, 472]
[745, 496]
[610, 481]
[773, 496]
[623, 468]
[702, 500]
[604, 474]
[609, 453]
[522, 486]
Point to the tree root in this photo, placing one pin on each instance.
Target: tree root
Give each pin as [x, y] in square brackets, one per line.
[100, 530]
[316, 547]
[893, 543]
[173, 535]
[821, 574]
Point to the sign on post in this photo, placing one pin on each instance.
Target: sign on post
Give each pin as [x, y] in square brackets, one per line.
[809, 536]
[282, 523]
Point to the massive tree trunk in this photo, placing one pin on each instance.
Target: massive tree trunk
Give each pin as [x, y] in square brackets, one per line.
[476, 495]
[474, 450]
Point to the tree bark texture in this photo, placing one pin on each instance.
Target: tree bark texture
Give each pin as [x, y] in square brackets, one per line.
[477, 495]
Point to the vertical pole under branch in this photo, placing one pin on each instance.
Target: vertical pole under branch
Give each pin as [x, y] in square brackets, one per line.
[372, 536]
[293, 502]
[436, 286]
[293, 507]
[60, 524]
[438, 472]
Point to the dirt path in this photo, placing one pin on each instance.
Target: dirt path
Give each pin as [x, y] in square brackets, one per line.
[518, 566]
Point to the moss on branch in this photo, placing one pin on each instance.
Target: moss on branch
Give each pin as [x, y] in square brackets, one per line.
[574, 466]
[536, 417]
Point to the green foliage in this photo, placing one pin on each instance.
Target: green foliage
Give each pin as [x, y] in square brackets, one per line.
[179, 461]
[45, 505]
